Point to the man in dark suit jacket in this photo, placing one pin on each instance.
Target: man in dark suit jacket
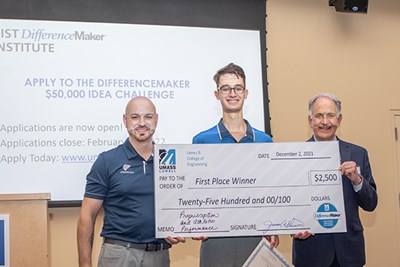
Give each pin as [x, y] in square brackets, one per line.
[359, 190]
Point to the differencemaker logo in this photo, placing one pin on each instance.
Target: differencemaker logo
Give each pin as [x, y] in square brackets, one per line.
[327, 215]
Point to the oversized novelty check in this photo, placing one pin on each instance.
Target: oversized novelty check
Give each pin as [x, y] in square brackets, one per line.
[249, 189]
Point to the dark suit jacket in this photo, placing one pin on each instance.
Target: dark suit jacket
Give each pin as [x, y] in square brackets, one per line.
[319, 250]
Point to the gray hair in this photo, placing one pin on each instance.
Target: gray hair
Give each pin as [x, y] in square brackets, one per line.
[338, 104]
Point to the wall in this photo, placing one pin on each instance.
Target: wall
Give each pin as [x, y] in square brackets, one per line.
[312, 48]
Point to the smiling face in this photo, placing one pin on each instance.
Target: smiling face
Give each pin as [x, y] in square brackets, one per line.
[324, 120]
[231, 102]
[140, 119]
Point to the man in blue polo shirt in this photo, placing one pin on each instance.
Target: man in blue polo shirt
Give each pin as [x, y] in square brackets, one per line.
[232, 128]
[122, 182]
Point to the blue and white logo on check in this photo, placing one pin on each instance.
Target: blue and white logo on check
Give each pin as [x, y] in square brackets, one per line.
[327, 215]
[167, 160]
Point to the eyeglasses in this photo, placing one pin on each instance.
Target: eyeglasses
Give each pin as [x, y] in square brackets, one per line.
[226, 89]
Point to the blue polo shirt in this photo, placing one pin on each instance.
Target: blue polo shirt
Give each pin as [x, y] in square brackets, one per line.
[125, 182]
[219, 134]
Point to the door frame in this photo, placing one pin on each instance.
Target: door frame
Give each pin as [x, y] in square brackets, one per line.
[395, 118]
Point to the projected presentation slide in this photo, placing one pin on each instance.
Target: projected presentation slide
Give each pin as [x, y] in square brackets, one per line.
[64, 87]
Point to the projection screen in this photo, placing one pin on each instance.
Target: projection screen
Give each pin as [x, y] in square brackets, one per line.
[66, 76]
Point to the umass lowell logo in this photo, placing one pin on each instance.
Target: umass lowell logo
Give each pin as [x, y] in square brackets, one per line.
[167, 160]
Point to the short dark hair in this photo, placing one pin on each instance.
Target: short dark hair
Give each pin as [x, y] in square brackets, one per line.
[231, 69]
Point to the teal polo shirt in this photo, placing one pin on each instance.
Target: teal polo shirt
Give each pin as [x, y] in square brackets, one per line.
[125, 182]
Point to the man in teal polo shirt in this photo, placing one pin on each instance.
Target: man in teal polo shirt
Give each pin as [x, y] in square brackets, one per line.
[122, 182]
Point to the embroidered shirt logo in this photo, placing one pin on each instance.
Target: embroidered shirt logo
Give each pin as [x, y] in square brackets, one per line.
[125, 169]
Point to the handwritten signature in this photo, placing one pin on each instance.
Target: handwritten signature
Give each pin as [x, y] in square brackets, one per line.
[286, 224]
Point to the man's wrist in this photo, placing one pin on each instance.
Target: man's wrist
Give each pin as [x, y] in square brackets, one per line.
[357, 187]
[357, 181]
